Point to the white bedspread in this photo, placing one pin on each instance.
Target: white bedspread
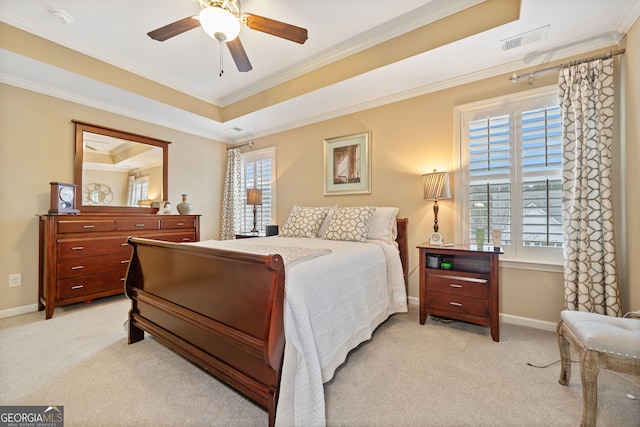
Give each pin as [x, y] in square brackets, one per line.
[332, 303]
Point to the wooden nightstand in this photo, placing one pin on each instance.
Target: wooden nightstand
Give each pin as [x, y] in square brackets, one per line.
[249, 235]
[468, 291]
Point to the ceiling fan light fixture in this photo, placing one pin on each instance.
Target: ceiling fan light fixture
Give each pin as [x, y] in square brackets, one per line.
[219, 24]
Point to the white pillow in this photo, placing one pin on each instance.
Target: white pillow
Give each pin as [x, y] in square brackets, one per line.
[326, 220]
[383, 225]
[350, 224]
[304, 221]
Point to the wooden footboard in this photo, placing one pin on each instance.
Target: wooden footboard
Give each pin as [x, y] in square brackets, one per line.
[222, 310]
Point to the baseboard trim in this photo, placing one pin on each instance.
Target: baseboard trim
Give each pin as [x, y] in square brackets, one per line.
[514, 320]
[527, 321]
[506, 318]
[18, 310]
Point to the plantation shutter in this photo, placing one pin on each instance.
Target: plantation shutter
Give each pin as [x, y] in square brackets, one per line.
[258, 172]
[541, 177]
[489, 174]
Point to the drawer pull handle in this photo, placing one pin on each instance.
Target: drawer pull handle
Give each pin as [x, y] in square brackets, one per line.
[77, 248]
[77, 287]
[77, 267]
[455, 285]
[457, 304]
[123, 279]
[88, 226]
[179, 224]
[185, 239]
[124, 244]
[125, 261]
[139, 225]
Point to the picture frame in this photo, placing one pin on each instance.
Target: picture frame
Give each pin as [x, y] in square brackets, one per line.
[347, 164]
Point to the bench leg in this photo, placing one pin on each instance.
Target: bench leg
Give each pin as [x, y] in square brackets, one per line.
[565, 355]
[589, 370]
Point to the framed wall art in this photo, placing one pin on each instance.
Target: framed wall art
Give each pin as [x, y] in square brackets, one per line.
[347, 165]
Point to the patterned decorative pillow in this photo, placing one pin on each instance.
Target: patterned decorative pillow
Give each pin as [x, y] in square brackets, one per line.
[350, 223]
[304, 221]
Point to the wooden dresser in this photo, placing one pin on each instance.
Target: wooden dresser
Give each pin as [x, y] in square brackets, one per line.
[467, 290]
[85, 256]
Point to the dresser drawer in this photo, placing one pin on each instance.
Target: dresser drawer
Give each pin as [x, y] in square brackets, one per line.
[138, 224]
[91, 285]
[86, 225]
[85, 266]
[173, 223]
[459, 304]
[188, 236]
[76, 248]
[458, 283]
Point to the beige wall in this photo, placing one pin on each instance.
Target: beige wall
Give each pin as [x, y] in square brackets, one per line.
[409, 138]
[37, 147]
[415, 136]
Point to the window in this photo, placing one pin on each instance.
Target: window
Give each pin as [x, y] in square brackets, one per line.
[510, 169]
[258, 171]
[139, 190]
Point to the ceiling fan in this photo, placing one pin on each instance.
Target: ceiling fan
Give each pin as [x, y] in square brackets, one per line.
[221, 20]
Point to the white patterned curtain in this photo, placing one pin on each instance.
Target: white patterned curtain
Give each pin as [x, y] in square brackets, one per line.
[231, 201]
[131, 194]
[590, 277]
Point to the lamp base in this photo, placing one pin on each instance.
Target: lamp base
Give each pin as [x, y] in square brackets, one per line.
[255, 220]
[436, 240]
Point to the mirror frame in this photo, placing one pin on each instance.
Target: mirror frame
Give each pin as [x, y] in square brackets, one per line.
[80, 128]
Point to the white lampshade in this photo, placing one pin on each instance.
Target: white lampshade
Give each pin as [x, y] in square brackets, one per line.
[219, 24]
[436, 185]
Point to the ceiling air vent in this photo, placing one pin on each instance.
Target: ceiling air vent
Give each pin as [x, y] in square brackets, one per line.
[526, 38]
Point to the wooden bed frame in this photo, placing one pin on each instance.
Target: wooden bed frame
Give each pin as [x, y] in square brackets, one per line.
[222, 310]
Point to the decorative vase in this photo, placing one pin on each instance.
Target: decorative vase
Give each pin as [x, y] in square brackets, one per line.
[480, 238]
[496, 235]
[184, 207]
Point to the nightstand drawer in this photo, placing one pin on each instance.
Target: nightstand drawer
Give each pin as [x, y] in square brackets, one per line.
[458, 283]
[91, 285]
[458, 304]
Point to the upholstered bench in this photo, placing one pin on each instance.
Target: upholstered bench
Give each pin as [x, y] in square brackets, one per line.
[602, 342]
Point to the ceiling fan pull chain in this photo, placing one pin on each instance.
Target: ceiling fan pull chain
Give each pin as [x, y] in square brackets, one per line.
[221, 64]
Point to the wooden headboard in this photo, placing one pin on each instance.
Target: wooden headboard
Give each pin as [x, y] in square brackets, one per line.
[403, 246]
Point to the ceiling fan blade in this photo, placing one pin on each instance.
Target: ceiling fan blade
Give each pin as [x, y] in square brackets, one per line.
[175, 28]
[277, 28]
[239, 55]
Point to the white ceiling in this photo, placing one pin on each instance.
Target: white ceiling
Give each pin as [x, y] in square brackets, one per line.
[114, 31]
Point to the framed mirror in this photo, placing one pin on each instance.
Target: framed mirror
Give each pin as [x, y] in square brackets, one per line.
[118, 171]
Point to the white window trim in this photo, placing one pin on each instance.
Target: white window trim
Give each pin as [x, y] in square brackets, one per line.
[549, 260]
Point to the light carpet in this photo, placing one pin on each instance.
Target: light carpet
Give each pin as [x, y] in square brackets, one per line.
[408, 374]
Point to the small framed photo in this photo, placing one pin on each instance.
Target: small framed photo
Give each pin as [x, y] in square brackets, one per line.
[347, 165]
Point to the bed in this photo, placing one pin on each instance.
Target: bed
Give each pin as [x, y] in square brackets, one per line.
[223, 306]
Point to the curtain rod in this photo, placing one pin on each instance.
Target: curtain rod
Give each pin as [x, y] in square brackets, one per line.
[249, 144]
[515, 77]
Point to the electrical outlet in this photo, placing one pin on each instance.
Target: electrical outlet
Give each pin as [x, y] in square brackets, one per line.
[15, 280]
